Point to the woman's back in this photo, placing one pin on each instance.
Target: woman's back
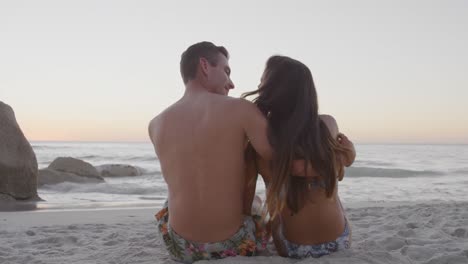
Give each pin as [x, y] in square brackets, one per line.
[321, 218]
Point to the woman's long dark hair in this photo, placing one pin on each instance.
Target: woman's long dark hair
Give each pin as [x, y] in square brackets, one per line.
[287, 97]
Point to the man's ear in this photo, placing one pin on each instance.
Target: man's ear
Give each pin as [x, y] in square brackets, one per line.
[204, 66]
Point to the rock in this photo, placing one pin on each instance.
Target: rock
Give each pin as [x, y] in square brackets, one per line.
[49, 176]
[75, 166]
[6, 198]
[118, 170]
[18, 164]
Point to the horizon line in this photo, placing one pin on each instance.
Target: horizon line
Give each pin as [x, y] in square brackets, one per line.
[148, 141]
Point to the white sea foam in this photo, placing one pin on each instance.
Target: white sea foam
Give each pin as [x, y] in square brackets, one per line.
[390, 173]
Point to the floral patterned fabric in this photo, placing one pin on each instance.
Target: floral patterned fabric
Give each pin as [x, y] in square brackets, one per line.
[318, 250]
[251, 238]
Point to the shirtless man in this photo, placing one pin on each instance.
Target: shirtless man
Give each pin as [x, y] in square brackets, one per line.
[200, 142]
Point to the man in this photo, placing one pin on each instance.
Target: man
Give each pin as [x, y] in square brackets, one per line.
[200, 142]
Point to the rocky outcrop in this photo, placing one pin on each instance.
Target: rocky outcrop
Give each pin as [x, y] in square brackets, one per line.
[67, 169]
[18, 164]
[49, 176]
[74, 166]
[118, 170]
[6, 198]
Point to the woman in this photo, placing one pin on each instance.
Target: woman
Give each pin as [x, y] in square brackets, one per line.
[305, 210]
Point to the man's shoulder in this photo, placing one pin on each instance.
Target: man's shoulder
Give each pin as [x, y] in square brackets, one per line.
[331, 123]
[158, 120]
[153, 126]
[154, 122]
[239, 103]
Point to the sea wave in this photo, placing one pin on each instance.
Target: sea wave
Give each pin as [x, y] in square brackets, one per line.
[374, 163]
[48, 147]
[88, 157]
[143, 158]
[461, 171]
[105, 188]
[151, 198]
[150, 172]
[388, 173]
[129, 158]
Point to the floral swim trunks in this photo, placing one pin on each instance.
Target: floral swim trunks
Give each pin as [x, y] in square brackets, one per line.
[251, 238]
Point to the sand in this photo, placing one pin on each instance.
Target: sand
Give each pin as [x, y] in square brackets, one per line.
[382, 233]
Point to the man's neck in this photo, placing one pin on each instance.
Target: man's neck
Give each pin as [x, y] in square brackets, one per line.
[194, 87]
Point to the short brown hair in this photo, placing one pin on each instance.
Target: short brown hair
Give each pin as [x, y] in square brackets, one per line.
[190, 58]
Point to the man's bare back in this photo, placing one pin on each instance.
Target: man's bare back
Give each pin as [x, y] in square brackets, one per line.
[200, 142]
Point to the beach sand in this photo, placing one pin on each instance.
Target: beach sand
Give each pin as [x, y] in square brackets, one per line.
[382, 233]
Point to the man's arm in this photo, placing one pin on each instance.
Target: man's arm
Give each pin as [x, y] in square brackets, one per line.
[350, 155]
[264, 170]
[331, 124]
[347, 158]
[255, 127]
[151, 128]
[150, 131]
[250, 179]
[279, 244]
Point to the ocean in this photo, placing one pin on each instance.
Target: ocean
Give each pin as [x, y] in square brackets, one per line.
[381, 174]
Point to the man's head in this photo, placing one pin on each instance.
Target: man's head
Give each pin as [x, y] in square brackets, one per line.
[208, 64]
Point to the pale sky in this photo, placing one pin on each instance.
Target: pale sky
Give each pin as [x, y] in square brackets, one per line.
[389, 71]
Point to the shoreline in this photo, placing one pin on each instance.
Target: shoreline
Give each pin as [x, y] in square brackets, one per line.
[31, 206]
[44, 206]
